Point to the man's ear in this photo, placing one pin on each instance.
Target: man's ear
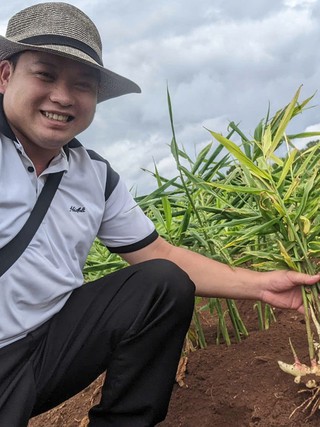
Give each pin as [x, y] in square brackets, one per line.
[6, 70]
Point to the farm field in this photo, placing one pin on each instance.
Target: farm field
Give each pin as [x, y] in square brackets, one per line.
[239, 385]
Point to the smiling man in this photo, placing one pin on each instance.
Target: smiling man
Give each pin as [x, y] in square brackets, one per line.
[56, 335]
[48, 101]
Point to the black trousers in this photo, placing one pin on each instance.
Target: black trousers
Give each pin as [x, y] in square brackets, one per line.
[131, 323]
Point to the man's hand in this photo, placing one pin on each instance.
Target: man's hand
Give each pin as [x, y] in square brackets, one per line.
[282, 289]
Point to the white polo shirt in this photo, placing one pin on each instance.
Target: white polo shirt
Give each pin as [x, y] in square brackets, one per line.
[91, 201]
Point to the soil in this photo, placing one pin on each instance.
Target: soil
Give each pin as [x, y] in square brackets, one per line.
[225, 386]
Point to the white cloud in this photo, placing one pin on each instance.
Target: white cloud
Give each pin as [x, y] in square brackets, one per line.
[295, 3]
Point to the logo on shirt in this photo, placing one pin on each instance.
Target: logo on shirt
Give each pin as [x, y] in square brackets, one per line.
[80, 209]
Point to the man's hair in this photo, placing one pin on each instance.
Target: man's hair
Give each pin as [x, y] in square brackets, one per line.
[13, 59]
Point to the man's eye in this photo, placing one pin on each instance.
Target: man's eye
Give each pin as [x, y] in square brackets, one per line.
[82, 84]
[44, 75]
[86, 85]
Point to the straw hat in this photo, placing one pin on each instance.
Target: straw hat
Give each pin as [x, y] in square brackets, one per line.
[64, 30]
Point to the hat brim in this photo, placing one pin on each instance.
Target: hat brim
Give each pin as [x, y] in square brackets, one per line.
[111, 83]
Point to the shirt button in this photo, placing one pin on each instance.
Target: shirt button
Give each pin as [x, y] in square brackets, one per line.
[30, 169]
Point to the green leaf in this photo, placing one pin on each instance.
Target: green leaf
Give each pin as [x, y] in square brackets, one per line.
[243, 159]
[287, 167]
[286, 117]
[238, 189]
[201, 158]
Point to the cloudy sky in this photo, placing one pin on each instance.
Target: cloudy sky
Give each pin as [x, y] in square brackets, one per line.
[223, 60]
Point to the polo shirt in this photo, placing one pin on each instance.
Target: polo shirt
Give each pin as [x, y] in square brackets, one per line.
[91, 201]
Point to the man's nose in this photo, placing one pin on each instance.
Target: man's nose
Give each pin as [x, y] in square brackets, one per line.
[61, 93]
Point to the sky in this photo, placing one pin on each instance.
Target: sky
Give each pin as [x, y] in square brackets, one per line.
[222, 61]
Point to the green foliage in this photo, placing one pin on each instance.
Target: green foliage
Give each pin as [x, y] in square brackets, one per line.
[253, 203]
[249, 204]
[101, 262]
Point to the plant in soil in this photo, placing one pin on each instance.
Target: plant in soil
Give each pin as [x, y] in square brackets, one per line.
[282, 191]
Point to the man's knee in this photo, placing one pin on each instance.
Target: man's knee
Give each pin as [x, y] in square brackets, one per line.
[173, 282]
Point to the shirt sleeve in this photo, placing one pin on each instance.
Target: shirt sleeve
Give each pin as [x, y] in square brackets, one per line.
[125, 227]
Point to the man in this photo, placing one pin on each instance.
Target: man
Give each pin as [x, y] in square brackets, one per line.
[57, 336]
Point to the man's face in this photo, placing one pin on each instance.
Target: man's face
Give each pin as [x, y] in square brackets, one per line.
[48, 99]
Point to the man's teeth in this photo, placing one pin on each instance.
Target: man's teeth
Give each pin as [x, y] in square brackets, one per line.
[54, 116]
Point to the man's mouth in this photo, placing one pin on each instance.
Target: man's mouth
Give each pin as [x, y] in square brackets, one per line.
[57, 117]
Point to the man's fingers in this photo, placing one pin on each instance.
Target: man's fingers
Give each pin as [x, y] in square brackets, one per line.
[303, 279]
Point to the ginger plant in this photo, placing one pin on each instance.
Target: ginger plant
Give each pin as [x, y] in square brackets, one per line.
[307, 375]
[278, 221]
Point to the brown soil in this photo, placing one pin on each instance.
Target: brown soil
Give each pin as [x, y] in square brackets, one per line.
[240, 385]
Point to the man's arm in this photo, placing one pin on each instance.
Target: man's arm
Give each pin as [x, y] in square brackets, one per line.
[214, 279]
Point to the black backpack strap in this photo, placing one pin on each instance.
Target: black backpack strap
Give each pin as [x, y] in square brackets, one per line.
[13, 249]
